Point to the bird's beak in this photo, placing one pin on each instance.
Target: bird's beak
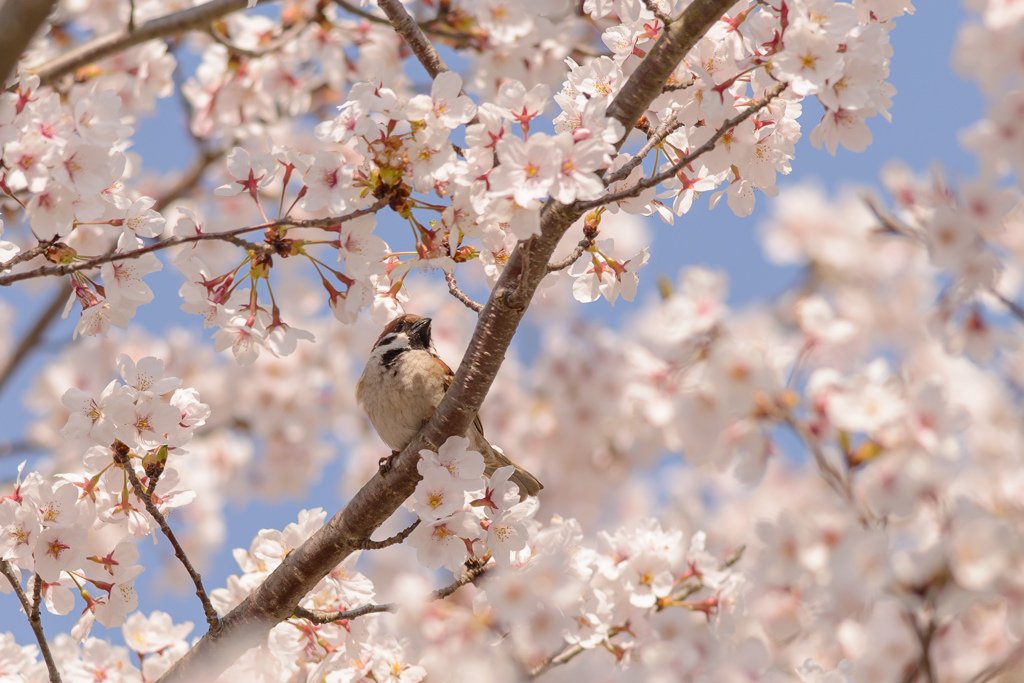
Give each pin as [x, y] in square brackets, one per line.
[421, 330]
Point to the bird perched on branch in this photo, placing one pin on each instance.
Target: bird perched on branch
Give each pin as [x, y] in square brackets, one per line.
[401, 386]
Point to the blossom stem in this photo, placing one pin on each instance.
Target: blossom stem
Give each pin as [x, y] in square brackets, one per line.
[453, 289]
[393, 540]
[119, 41]
[32, 612]
[122, 458]
[227, 235]
[685, 161]
[321, 617]
[653, 142]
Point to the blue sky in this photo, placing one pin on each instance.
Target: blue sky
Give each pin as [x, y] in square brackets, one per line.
[930, 107]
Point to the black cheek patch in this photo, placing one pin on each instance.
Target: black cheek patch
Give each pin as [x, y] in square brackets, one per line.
[390, 356]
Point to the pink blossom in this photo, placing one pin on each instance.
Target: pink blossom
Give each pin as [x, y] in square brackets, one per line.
[58, 549]
[439, 543]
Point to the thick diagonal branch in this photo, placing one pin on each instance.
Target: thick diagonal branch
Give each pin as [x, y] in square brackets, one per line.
[31, 608]
[161, 27]
[413, 36]
[275, 600]
[19, 22]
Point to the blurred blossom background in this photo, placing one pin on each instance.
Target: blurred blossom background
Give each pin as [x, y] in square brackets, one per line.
[931, 106]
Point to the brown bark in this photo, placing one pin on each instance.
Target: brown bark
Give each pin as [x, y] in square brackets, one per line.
[19, 22]
[112, 43]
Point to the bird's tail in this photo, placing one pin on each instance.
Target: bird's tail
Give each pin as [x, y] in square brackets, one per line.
[527, 483]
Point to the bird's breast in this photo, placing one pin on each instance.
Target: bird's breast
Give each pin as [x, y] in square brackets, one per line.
[399, 398]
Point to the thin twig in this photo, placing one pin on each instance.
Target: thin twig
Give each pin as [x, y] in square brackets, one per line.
[563, 656]
[429, 26]
[836, 480]
[112, 43]
[33, 616]
[111, 257]
[652, 6]
[925, 634]
[584, 244]
[453, 289]
[1015, 308]
[360, 12]
[890, 224]
[30, 342]
[320, 617]
[473, 572]
[273, 46]
[122, 458]
[28, 254]
[688, 159]
[667, 127]
[676, 87]
[227, 236]
[393, 540]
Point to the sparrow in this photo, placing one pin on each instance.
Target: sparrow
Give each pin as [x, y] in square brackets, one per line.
[401, 386]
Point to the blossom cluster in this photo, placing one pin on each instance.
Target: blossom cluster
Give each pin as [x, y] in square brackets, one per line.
[611, 593]
[456, 512]
[153, 644]
[860, 437]
[52, 525]
[728, 117]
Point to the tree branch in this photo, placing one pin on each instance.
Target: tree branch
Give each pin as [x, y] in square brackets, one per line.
[360, 12]
[589, 235]
[161, 27]
[688, 159]
[33, 616]
[122, 458]
[227, 235]
[473, 572]
[394, 540]
[652, 6]
[273, 46]
[321, 617]
[648, 79]
[413, 35]
[657, 137]
[30, 342]
[276, 599]
[19, 22]
[563, 656]
[453, 289]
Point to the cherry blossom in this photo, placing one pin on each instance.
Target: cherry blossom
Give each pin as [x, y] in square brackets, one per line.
[251, 172]
[821, 486]
[440, 543]
[445, 104]
[527, 171]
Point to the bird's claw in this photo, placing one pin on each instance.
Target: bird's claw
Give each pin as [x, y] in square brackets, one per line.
[384, 464]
